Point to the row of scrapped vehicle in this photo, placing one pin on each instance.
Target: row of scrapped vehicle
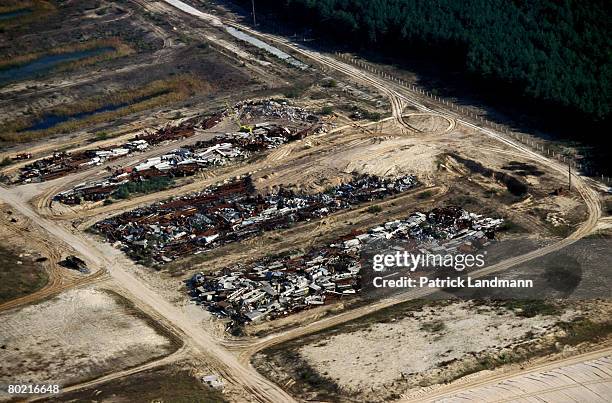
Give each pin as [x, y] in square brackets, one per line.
[278, 286]
[221, 150]
[63, 163]
[232, 212]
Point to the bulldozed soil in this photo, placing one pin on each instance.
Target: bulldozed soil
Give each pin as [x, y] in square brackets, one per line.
[426, 343]
[79, 335]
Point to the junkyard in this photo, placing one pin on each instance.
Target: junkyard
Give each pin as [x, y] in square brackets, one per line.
[191, 198]
[62, 163]
[232, 212]
[187, 161]
[277, 287]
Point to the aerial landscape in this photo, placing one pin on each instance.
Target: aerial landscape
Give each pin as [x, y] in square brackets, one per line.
[305, 200]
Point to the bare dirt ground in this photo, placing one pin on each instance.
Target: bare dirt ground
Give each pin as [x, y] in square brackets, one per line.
[439, 146]
[79, 335]
[176, 382]
[426, 345]
[417, 345]
[21, 273]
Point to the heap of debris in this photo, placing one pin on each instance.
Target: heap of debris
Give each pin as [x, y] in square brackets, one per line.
[275, 287]
[221, 150]
[74, 263]
[232, 212]
[63, 163]
[269, 108]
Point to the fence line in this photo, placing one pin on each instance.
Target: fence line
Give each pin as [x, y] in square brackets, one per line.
[521, 138]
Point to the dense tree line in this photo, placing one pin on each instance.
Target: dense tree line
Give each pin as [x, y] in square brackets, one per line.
[557, 51]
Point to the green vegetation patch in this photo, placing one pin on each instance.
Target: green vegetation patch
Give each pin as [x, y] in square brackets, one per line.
[327, 110]
[147, 186]
[582, 330]
[530, 308]
[374, 209]
[18, 280]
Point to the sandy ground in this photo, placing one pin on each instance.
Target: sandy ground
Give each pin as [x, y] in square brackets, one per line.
[585, 378]
[79, 335]
[398, 156]
[386, 352]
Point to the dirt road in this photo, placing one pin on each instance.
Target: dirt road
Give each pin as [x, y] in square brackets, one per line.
[228, 365]
[399, 98]
[582, 378]
[235, 367]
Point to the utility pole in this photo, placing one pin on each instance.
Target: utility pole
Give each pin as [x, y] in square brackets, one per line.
[254, 20]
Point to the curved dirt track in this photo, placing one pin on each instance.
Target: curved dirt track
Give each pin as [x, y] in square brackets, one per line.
[235, 367]
[450, 121]
[399, 98]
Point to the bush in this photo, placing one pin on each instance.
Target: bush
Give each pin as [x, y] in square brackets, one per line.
[434, 326]
[530, 308]
[122, 192]
[145, 186]
[329, 83]
[425, 195]
[374, 209]
[102, 135]
[327, 110]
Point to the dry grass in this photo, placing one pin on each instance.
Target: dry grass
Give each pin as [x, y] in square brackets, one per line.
[120, 49]
[156, 93]
[40, 9]
[19, 276]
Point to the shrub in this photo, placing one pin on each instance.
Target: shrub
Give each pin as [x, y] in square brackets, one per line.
[374, 209]
[327, 110]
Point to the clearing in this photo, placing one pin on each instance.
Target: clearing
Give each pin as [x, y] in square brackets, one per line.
[79, 335]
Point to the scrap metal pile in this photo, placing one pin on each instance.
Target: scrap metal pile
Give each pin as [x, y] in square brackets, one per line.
[232, 212]
[221, 150]
[273, 109]
[63, 163]
[275, 287]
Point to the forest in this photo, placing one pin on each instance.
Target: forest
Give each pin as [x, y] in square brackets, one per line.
[552, 51]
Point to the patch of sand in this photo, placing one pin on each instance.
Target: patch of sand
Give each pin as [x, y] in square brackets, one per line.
[386, 352]
[79, 335]
[393, 157]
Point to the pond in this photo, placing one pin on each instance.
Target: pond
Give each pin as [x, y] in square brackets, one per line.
[49, 121]
[12, 14]
[45, 63]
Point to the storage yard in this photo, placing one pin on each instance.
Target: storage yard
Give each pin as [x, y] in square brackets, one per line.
[281, 286]
[232, 212]
[221, 150]
[201, 199]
